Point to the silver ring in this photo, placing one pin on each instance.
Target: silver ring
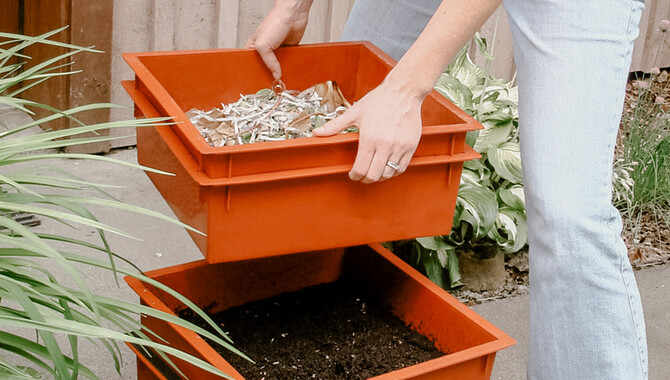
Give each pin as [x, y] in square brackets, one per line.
[392, 165]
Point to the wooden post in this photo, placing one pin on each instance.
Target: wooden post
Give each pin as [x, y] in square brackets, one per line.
[90, 24]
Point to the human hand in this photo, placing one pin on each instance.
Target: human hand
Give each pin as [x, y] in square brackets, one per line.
[284, 25]
[389, 121]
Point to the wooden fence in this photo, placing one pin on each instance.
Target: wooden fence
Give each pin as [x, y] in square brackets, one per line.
[146, 25]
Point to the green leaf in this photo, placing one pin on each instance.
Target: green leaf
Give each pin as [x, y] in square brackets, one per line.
[513, 197]
[506, 160]
[35, 315]
[454, 90]
[493, 135]
[471, 137]
[479, 205]
[481, 45]
[62, 326]
[433, 243]
[453, 269]
[30, 267]
[434, 270]
[511, 230]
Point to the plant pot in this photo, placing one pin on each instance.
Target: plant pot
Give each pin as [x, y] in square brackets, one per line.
[482, 273]
[470, 341]
[289, 196]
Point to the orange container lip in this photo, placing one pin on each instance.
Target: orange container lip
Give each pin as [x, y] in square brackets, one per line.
[470, 339]
[203, 179]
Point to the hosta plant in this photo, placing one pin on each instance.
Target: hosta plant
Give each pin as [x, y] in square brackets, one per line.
[490, 212]
[47, 304]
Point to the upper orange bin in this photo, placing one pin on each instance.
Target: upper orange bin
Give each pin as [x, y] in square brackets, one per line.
[174, 82]
[280, 197]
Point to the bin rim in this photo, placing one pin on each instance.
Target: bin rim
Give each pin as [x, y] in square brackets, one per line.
[194, 141]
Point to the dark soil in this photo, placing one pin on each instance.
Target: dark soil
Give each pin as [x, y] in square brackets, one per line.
[329, 331]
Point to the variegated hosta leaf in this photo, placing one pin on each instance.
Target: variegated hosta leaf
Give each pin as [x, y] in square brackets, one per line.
[454, 90]
[506, 160]
[493, 135]
[513, 197]
[469, 176]
[479, 207]
[464, 70]
[511, 229]
[478, 175]
[512, 94]
[500, 116]
[471, 137]
[459, 60]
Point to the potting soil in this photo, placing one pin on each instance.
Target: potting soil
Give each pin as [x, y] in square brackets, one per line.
[329, 331]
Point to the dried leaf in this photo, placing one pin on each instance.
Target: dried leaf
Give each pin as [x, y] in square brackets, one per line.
[331, 96]
[303, 122]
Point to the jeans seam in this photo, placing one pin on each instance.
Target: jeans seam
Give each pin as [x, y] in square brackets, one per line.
[623, 257]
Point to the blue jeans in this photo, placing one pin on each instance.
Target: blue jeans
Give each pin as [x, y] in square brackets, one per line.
[572, 59]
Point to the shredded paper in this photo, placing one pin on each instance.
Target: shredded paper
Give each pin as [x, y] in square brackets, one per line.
[271, 114]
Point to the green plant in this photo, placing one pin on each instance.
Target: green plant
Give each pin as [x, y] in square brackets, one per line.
[42, 288]
[490, 210]
[641, 180]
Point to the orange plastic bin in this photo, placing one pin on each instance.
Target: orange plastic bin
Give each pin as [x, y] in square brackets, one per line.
[468, 341]
[273, 198]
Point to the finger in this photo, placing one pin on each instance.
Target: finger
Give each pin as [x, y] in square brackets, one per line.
[250, 42]
[270, 59]
[361, 164]
[388, 173]
[389, 170]
[403, 163]
[337, 125]
[377, 168]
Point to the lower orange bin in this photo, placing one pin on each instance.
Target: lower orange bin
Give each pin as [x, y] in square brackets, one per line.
[469, 342]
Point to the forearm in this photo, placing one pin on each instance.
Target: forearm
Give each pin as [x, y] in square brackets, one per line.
[294, 6]
[452, 25]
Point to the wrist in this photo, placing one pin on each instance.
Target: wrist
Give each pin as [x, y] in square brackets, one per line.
[408, 84]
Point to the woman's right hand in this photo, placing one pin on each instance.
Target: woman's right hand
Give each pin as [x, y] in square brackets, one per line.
[284, 25]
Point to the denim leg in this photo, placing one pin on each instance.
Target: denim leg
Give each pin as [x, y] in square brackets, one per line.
[572, 59]
[391, 25]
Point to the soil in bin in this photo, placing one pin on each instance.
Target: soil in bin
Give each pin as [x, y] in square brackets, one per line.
[328, 331]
